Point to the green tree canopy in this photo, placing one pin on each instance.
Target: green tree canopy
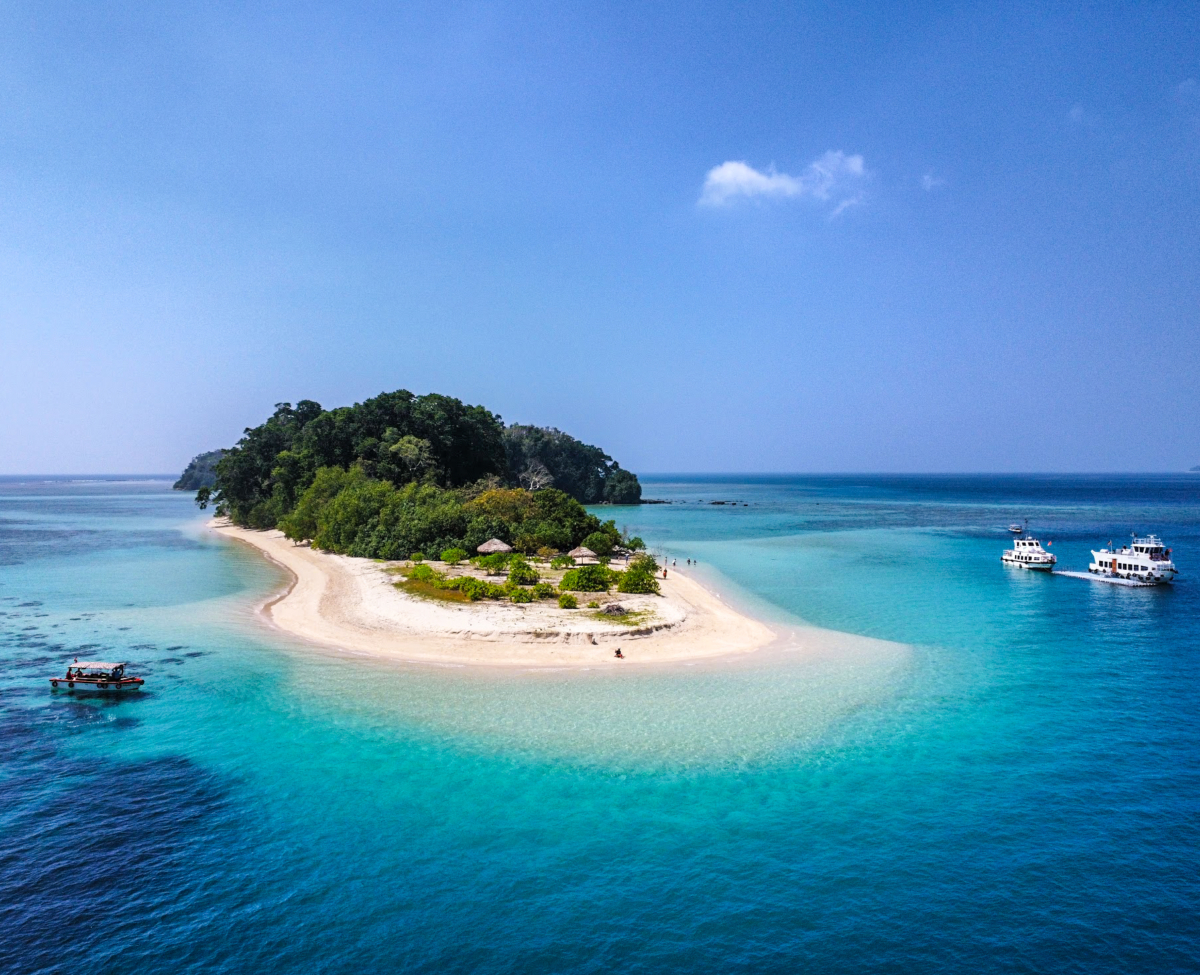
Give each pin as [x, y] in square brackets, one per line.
[200, 473]
[584, 472]
[400, 473]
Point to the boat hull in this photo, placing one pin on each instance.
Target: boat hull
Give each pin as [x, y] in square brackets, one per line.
[1141, 579]
[125, 686]
[1031, 566]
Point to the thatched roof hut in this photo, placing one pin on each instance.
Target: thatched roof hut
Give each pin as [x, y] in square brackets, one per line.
[582, 553]
[493, 545]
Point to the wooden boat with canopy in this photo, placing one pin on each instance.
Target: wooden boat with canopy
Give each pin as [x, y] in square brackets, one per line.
[96, 677]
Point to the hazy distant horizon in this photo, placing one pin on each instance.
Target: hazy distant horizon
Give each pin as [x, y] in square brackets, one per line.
[651, 476]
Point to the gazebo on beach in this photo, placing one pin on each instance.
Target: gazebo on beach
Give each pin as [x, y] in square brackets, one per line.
[582, 554]
[493, 545]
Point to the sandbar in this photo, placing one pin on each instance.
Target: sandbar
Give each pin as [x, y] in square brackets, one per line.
[352, 604]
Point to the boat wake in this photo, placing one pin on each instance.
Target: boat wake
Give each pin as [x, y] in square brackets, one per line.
[1132, 583]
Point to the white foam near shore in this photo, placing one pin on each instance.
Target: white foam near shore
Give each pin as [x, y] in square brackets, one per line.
[1111, 580]
[351, 604]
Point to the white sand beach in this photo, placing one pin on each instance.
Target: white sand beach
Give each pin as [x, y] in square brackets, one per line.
[352, 604]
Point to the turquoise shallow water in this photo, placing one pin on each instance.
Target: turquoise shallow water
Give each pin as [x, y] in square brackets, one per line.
[1012, 784]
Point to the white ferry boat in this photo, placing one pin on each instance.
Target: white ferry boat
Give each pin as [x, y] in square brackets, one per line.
[96, 677]
[1143, 560]
[1029, 554]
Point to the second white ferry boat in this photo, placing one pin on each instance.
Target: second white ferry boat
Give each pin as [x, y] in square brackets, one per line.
[1029, 554]
[1143, 560]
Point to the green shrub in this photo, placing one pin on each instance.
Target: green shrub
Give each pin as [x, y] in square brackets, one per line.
[474, 589]
[546, 552]
[587, 578]
[637, 582]
[567, 601]
[519, 595]
[635, 544]
[452, 556]
[561, 562]
[593, 605]
[543, 590]
[417, 557]
[521, 573]
[422, 573]
[493, 564]
[600, 543]
[640, 577]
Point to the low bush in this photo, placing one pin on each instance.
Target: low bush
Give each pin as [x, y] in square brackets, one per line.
[493, 564]
[452, 556]
[640, 577]
[519, 595]
[587, 578]
[543, 590]
[417, 557]
[561, 562]
[521, 573]
[567, 601]
[546, 552]
[593, 605]
[474, 589]
[422, 573]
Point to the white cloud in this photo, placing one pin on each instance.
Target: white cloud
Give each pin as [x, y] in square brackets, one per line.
[846, 204]
[1076, 114]
[930, 182]
[835, 176]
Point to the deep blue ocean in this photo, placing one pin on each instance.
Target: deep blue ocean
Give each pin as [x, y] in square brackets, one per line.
[1007, 779]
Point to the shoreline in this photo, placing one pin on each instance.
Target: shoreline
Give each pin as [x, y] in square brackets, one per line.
[350, 604]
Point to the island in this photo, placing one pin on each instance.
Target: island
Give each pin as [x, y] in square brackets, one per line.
[422, 528]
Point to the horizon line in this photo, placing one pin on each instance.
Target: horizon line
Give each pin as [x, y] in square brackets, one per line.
[131, 476]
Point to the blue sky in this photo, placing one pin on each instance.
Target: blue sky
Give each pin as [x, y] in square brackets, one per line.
[708, 237]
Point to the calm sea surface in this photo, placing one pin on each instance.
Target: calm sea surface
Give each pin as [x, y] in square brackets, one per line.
[1011, 783]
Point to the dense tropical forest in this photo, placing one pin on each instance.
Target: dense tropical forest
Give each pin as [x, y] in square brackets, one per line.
[200, 473]
[543, 456]
[402, 473]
